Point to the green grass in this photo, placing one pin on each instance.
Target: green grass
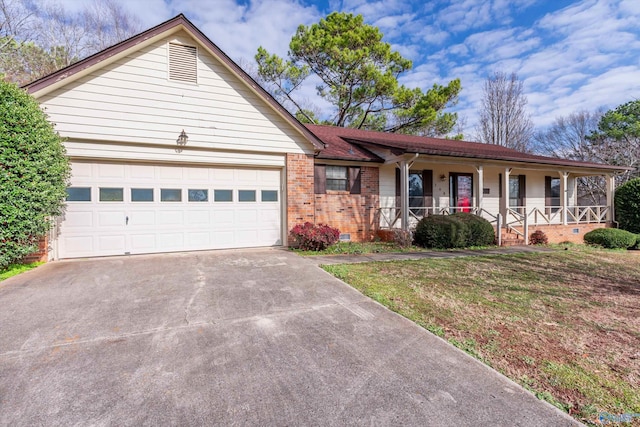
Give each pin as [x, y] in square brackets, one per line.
[15, 269]
[356, 248]
[563, 323]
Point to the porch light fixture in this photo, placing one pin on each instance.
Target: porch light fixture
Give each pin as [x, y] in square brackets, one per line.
[443, 178]
[182, 138]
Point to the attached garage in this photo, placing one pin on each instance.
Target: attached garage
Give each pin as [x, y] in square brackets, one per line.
[174, 148]
[128, 208]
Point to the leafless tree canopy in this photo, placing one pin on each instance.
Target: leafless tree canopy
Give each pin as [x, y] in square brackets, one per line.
[503, 117]
[36, 40]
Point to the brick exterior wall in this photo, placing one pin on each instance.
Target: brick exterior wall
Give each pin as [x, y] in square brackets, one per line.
[300, 201]
[564, 233]
[355, 214]
[42, 255]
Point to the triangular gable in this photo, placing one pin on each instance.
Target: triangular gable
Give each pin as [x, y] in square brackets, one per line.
[91, 64]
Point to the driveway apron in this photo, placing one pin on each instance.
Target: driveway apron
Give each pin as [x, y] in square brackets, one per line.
[252, 337]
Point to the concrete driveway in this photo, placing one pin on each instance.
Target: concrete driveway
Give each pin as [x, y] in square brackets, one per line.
[259, 337]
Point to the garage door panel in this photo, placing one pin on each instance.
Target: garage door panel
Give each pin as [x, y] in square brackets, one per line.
[143, 242]
[112, 243]
[200, 217]
[142, 218]
[79, 219]
[111, 218]
[149, 225]
[170, 217]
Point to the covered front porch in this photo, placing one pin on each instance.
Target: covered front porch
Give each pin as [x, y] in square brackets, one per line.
[516, 197]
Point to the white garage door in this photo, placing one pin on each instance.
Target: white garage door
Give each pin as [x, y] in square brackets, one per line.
[115, 209]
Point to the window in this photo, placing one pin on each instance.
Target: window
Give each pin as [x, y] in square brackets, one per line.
[269, 195]
[111, 195]
[552, 194]
[516, 191]
[79, 194]
[198, 195]
[170, 195]
[142, 194]
[222, 195]
[247, 195]
[420, 190]
[336, 178]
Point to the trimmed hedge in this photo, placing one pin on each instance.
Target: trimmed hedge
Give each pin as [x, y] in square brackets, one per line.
[460, 230]
[33, 174]
[637, 245]
[627, 203]
[611, 238]
[481, 232]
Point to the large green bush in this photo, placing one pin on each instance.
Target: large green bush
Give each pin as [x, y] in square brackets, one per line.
[627, 203]
[442, 232]
[481, 232]
[33, 174]
[611, 238]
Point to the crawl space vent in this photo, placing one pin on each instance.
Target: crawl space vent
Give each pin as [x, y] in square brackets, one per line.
[183, 63]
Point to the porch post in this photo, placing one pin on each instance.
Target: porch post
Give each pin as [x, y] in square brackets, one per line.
[564, 196]
[404, 194]
[479, 193]
[504, 197]
[611, 185]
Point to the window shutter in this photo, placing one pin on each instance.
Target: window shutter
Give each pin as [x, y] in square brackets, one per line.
[523, 189]
[354, 180]
[183, 63]
[500, 185]
[427, 187]
[398, 189]
[547, 191]
[320, 179]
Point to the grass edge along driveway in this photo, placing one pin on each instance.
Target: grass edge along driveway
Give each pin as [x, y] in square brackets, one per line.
[563, 324]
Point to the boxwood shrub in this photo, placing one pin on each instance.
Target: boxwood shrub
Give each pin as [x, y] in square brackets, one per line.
[481, 232]
[611, 238]
[441, 232]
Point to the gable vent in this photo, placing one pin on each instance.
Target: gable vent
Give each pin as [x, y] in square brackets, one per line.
[183, 63]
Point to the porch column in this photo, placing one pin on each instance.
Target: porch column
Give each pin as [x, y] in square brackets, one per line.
[479, 193]
[504, 197]
[564, 196]
[404, 194]
[611, 186]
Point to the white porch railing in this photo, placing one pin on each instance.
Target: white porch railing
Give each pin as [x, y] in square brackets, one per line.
[517, 216]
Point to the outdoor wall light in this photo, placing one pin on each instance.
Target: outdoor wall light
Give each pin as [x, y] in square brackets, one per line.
[182, 138]
[443, 178]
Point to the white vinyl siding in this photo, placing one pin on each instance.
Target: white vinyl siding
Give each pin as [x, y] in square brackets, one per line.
[132, 101]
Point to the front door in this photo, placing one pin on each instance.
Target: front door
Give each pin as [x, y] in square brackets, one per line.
[461, 192]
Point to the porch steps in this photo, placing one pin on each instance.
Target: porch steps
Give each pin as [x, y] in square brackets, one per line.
[512, 239]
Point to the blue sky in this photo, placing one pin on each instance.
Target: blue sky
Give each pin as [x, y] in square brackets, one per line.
[571, 55]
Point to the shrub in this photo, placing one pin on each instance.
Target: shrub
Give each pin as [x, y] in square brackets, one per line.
[33, 174]
[481, 232]
[627, 204]
[402, 238]
[442, 232]
[612, 238]
[637, 245]
[538, 237]
[310, 237]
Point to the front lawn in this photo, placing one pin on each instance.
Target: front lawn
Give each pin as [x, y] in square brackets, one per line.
[564, 324]
[15, 269]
